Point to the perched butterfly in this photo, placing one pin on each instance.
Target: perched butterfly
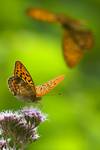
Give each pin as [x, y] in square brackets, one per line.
[22, 85]
[76, 38]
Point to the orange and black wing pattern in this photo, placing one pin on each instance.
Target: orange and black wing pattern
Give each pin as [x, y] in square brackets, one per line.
[45, 88]
[22, 72]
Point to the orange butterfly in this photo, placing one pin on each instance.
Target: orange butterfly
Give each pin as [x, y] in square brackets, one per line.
[22, 85]
[76, 38]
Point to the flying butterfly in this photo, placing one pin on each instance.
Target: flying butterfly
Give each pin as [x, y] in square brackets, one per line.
[76, 38]
[22, 86]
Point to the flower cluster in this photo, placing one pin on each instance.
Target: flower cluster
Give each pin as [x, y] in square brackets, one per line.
[3, 144]
[19, 128]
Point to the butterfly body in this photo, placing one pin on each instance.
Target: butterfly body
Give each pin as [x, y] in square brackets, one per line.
[22, 86]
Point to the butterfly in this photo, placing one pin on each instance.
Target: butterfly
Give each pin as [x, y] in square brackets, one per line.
[76, 38]
[22, 86]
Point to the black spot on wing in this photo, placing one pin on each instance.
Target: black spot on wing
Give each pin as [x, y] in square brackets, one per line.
[25, 78]
[17, 70]
[29, 80]
[26, 74]
[20, 66]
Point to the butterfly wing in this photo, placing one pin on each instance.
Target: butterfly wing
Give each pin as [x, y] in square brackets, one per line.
[84, 39]
[75, 40]
[48, 86]
[45, 15]
[21, 71]
[71, 50]
[20, 89]
[82, 36]
[41, 14]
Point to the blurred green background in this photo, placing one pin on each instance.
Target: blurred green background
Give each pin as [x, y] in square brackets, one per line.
[74, 116]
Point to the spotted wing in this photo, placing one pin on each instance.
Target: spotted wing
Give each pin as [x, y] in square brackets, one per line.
[22, 72]
[48, 86]
[41, 14]
[22, 90]
[12, 85]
